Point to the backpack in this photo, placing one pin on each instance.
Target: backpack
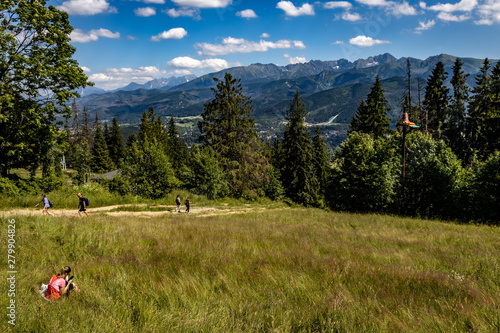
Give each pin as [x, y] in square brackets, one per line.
[50, 204]
[87, 202]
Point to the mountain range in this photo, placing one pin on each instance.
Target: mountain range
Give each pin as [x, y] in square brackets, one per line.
[331, 89]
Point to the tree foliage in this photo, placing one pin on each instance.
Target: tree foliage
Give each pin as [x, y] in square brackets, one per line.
[436, 100]
[37, 77]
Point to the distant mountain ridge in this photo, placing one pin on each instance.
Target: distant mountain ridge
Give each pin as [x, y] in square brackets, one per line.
[328, 87]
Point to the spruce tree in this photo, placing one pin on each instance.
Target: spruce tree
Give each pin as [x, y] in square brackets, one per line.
[228, 128]
[455, 131]
[176, 148]
[479, 110]
[152, 128]
[436, 100]
[492, 121]
[116, 143]
[371, 116]
[320, 160]
[100, 161]
[298, 174]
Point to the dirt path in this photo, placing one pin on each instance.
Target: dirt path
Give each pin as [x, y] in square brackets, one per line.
[108, 210]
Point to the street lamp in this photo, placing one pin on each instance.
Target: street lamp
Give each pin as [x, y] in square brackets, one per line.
[406, 125]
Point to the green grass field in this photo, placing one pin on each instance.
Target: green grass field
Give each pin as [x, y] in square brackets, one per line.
[275, 270]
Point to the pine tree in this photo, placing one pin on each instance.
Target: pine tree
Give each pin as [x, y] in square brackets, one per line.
[492, 121]
[298, 176]
[371, 116]
[479, 110]
[228, 128]
[455, 131]
[100, 161]
[320, 160]
[152, 128]
[116, 144]
[176, 148]
[436, 100]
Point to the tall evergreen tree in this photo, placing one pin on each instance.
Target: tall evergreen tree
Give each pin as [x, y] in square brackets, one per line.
[228, 128]
[371, 116]
[455, 131]
[436, 100]
[492, 121]
[298, 176]
[152, 128]
[116, 144]
[320, 160]
[176, 148]
[479, 110]
[100, 161]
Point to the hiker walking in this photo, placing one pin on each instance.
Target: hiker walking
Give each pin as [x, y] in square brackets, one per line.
[82, 204]
[178, 203]
[187, 203]
[46, 205]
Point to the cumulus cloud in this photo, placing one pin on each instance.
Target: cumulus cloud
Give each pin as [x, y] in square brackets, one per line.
[190, 63]
[290, 10]
[87, 7]
[184, 12]
[79, 36]
[339, 42]
[158, 2]
[240, 45]
[462, 6]
[175, 33]
[265, 35]
[404, 8]
[375, 3]
[422, 26]
[113, 78]
[247, 13]
[145, 11]
[203, 3]
[453, 18]
[295, 60]
[352, 17]
[337, 4]
[365, 41]
[85, 69]
[489, 13]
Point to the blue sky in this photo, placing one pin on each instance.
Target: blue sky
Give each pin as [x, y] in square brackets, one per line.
[120, 41]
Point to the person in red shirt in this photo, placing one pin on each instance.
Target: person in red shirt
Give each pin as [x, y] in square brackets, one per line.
[59, 286]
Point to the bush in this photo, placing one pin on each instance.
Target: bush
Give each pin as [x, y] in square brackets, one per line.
[8, 187]
[486, 190]
[119, 185]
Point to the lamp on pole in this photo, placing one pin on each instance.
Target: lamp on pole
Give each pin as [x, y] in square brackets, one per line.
[406, 125]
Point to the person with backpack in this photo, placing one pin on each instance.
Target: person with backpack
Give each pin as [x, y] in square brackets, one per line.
[82, 204]
[187, 203]
[178, 204]
[60, 284]
[46, 205]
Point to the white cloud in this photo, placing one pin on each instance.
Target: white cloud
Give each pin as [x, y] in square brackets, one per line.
[352, 17]
[175, 33]
[295, 60]
[79, 36]
[489, 12]
[131, 37]
[364, 41]
[87, 7]
[462, 6]
[422, 26]
[158, 2]
[184, 12]
[337, 4]
[145, 11]
[375, 3]
[339, 42]
[265, 35]
[113, 78]
[453, 18]
[190, 63]
[240, 45]
[203, 3]
[247, 13]
[404, 8]
[85, 69]
[182, 72]
[290, 10]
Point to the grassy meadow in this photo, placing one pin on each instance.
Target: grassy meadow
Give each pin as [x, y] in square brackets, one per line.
[271, 270]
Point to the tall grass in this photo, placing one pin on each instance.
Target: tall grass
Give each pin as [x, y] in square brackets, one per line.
[282, 270]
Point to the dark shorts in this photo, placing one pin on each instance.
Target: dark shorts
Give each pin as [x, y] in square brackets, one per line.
[83, 209]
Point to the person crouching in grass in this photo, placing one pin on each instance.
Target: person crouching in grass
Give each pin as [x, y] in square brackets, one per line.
[59, 285]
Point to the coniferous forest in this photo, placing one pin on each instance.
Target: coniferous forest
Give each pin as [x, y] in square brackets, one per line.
[452, 161]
